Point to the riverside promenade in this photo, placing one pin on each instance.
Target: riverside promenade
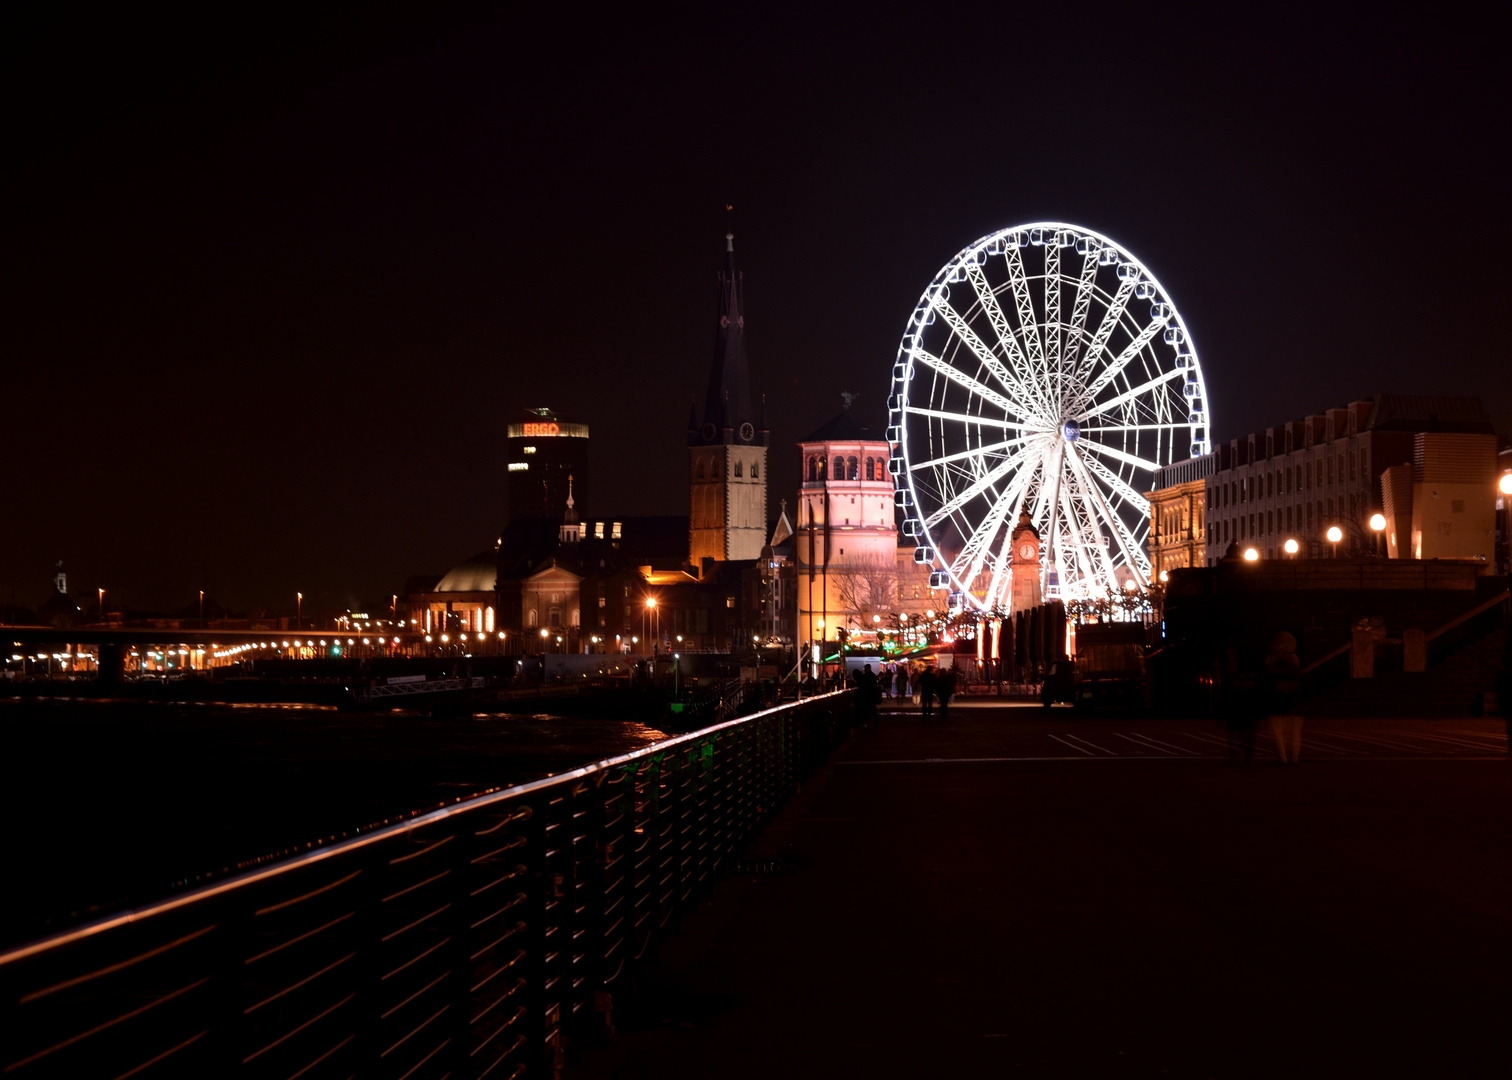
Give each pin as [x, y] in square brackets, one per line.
[1023, 891]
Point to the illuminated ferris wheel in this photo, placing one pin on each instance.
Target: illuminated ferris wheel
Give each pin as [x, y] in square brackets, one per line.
[1044, 370]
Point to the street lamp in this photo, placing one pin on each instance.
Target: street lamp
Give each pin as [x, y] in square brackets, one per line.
[202, 609]
[299, 611]
[102, 605]
[1291, 547]
[1251, 555]
[1334, 535]
[1377, 526]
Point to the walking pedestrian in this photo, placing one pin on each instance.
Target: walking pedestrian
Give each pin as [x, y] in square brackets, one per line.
[1281, 684]
[865, 682]
[945, 687]
[926, 683]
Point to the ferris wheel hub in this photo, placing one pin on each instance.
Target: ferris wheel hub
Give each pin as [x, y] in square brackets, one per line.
[1071, 430]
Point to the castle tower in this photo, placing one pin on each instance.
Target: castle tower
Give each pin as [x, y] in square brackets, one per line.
[727, 449]
[851, 573]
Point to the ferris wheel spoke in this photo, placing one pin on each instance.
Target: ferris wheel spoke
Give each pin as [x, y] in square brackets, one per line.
[974, 551]
[1099, 562]
[1052, 309]
[1081, 556]
[1131, 394]
[977, 487]
[1117, 483]
[960, 378]
[972, 341]
[1119, 455]
[1027, 322]
[1004, 559]
[1082, 304]
[971, 452]
[967, 418]
[1005, 335]
[1167, 426]
[1110, 321]
[1099, 505]
[1130, 352]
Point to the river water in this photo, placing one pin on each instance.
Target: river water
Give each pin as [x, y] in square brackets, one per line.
[110, 804]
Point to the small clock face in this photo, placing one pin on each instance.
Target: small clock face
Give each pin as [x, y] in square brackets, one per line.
[747, 432]
[707, 432]
[1026, 551]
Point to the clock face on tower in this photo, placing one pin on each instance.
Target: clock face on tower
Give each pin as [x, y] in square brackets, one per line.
[1026, 551]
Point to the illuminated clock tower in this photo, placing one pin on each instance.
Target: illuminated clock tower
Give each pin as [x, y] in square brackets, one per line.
[727, 448]
[1025, 567]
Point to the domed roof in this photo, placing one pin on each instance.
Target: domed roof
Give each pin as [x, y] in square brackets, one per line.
[477, 574]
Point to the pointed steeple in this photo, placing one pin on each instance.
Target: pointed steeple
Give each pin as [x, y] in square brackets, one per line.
[727, 405]
[572, 528]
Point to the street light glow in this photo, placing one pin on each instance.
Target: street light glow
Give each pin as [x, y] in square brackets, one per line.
[1251, 555]
[1291, 547]
[1377, 522]
[1335, 534]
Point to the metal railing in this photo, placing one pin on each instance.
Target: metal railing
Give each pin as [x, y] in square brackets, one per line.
[473, 941]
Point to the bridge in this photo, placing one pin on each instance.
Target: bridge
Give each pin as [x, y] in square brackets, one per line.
[1013, 890]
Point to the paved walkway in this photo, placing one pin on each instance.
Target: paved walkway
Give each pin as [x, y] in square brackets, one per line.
[1023, 892]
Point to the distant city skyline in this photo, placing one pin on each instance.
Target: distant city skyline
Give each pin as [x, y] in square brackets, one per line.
[278, 293]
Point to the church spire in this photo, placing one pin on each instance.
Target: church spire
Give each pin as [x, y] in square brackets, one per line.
[728, 416]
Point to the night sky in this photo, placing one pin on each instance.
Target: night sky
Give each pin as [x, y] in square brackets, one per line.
[277, 283]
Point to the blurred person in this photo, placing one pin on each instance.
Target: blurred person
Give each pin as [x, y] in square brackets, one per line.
[1280, 691]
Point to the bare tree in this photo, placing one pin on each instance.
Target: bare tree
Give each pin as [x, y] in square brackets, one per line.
[867, 584]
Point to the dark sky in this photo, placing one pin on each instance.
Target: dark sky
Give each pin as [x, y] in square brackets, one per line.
[277, 282]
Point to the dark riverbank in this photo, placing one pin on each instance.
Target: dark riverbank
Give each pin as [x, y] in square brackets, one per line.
[112, 803]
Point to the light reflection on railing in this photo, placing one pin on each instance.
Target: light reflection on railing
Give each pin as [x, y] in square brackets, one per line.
[473, 941]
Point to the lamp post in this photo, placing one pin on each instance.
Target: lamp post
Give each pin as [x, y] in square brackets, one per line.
[299, 611]
[102, 606]
[1377, 526]
[202, 609]
[1504, 489]
[1291, 548]
[1334, 535]
[1251, 555]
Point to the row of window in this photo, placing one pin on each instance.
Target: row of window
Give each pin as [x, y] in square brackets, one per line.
[1284, 521]
[846, 468]
[1294, 477]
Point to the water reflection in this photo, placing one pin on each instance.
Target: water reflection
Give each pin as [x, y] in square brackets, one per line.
[120, 802]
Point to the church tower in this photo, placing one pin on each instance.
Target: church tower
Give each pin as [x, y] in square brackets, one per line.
[727, 447]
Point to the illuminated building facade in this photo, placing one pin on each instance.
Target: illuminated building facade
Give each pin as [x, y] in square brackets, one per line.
[1178, 516]
[851, 573]
[545, 453]
[1297, 480]
[727, 448]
